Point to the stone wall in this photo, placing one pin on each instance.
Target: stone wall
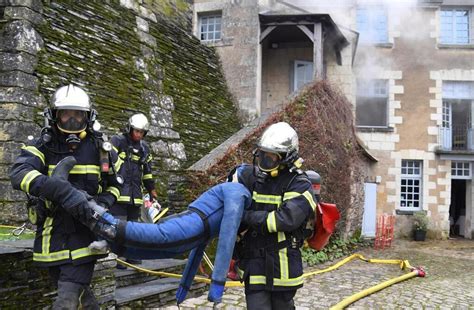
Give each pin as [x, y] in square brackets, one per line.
[129, 56]
[23, 285]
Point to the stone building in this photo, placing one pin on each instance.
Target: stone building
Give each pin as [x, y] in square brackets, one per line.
[408, 68]
[129, 55]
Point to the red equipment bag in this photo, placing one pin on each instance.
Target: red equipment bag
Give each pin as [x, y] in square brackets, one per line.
[325, 221]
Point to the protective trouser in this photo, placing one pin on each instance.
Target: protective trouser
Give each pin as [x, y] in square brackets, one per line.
[270, 300]
[71, 295]
[73, 286]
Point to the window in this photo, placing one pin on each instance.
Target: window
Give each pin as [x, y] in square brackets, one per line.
[303, 74]
[410, 194]
[460, 170]
[372, 103]
[372, 25]
[454, 25]
[456, 130]
[210, 27]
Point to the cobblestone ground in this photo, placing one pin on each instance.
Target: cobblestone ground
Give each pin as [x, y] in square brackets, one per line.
[449, 281]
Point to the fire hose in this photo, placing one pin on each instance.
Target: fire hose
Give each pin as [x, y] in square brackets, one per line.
[403, 264]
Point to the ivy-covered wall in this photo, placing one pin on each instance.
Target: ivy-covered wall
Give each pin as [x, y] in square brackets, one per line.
[130, 56]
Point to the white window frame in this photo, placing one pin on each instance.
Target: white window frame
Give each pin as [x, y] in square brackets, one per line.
[411, 171]
[295, 75]
[208, 16]
[374, 88]
[461, 170]
[454, 37]
[373, 32]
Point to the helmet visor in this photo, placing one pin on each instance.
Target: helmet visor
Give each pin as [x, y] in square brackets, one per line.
[268, 161]
[71, 121]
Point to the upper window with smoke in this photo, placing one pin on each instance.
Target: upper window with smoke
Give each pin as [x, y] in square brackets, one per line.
[372, 24]
[372, 103]
[455, 25]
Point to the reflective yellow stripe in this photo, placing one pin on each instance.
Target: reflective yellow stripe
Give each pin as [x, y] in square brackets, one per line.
[122, 155]
[283, 254]
[271, 222]
[33, 150]
[149, 158]
[147, 176]
[306, 194]
[270, 199]
[46, 235]
[27, 179]
[99, 189]
[51, 257]
[276, 281]
[137, 201]
[135, 157]
[114, 191]
[290, 195]
[310, 198]
[115, 149]
[123, 199]
[118, 164]
[79, 169]
[83, 252]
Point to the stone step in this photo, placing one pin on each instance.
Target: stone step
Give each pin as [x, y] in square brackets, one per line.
[130, 276]
[153, 293]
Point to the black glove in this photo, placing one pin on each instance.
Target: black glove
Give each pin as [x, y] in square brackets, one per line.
[71, 199]
[63, 193]
[77, 204]
[255, 219]
[105, 199]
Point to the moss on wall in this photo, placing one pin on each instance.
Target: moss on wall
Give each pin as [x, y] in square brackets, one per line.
[99, 45]
[322, 117]
[193, 77]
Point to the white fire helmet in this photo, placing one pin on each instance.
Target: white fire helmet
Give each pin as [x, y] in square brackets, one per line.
[138, 121]
[71, 107]
[278, 145]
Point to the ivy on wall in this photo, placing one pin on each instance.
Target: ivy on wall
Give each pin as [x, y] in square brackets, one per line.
[322, 117]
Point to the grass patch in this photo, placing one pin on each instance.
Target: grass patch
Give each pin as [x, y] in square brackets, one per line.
[7, 234]
[336, 248]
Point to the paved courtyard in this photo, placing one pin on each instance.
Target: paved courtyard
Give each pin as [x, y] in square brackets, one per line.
[449, 281]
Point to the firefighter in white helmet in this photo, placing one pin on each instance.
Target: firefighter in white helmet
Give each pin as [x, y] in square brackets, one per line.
[134, 165]
[61, 242]
[268, 256]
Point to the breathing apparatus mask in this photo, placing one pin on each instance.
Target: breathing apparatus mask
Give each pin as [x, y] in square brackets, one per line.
[71, 113]
[276, 149]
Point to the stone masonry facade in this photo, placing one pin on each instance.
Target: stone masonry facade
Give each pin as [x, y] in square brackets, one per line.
[129, 56]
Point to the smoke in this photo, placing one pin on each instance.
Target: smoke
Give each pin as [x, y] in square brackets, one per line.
[407, 27]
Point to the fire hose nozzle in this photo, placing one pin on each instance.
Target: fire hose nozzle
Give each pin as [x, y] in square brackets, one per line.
[420, 271]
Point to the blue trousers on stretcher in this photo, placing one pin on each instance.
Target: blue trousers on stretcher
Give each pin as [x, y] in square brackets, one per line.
[216, 213]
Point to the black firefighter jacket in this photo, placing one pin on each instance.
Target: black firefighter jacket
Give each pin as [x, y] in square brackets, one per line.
[134, 165]
[269, 254]
[59, 238]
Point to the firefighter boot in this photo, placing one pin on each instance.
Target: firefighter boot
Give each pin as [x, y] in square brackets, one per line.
[68, 295]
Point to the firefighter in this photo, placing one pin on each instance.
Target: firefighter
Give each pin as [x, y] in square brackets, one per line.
[134, 165]
[61, 242]
[273, 229]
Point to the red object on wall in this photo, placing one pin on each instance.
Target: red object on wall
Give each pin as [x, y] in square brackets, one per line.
[384, 231]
